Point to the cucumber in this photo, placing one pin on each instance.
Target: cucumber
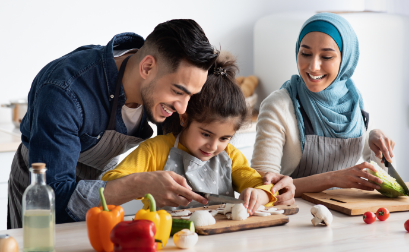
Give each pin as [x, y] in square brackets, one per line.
[179, 224]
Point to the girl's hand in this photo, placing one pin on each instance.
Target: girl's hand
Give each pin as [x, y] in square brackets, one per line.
[253, 199]
[353, 177]
[381, 144]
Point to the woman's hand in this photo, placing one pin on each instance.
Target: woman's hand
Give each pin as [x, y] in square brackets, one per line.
[284, 185]
[253, 199]
[381, 144]
[353, 177]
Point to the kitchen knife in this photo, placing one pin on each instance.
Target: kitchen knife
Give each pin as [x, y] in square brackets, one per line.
[216, 198]
[394, 174]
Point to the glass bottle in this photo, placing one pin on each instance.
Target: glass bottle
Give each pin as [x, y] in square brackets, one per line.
[38, 212]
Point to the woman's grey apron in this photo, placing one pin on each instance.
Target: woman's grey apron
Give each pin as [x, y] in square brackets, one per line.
[212, 176]
[324, 154]
[92, 163]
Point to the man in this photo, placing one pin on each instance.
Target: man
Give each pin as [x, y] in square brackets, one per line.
[84, 111]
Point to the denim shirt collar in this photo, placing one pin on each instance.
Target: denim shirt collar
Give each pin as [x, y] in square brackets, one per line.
[120, 41]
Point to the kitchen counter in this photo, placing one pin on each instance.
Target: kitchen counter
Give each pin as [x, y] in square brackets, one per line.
[10, 137]
[347, 233]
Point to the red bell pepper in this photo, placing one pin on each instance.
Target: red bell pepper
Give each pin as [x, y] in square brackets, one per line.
[134, 236]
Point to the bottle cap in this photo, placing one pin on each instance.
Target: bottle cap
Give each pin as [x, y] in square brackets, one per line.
[38, 167]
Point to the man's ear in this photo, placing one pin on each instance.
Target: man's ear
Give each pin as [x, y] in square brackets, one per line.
[183, 119]
[146, 65]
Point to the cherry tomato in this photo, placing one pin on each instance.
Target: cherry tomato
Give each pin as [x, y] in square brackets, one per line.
[369, 217]
[407, 225]
[382, 214]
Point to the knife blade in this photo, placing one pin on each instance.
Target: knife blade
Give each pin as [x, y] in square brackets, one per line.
[216, 198]
[394, 174]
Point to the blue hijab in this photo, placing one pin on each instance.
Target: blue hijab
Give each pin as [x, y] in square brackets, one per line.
[335, 111]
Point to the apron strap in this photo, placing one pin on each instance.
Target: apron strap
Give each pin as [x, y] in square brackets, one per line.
[112, 119]
[177, 141]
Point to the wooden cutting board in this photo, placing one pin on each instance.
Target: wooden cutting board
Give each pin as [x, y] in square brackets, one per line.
[357, 202]
[223, 225]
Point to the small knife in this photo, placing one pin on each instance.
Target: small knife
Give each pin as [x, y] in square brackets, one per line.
[393, 173]
[216, 198]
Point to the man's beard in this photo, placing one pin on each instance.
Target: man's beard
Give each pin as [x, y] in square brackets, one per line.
[148, 103]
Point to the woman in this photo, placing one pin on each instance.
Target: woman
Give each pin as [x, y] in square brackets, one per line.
[314, 128]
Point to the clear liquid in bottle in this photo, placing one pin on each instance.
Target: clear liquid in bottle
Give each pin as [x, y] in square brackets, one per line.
[38, 213]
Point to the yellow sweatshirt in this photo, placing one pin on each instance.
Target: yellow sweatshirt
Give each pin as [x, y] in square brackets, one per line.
[152, 154]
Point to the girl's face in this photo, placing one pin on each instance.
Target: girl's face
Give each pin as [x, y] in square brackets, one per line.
[206, 140]
[319, 60]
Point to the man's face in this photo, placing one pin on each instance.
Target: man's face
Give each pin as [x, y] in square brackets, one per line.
[170, 92]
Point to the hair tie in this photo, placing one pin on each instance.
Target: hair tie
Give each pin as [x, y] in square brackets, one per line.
[219, 71]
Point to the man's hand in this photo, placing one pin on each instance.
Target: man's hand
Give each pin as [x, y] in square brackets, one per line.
[284, 185]
[167, 187]
[381, 144]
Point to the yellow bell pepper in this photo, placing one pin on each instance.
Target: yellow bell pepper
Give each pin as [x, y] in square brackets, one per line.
[161, 219]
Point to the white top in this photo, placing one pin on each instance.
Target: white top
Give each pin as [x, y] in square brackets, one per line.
[278, 146]
[132, 116]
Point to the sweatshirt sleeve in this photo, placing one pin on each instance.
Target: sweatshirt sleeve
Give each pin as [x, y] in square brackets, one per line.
[139, 160]
[270, 136]
[244, 176]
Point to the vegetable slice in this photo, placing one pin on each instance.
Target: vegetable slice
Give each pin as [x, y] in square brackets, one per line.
[178, 225]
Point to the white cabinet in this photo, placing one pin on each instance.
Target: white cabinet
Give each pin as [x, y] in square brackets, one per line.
[6, 159]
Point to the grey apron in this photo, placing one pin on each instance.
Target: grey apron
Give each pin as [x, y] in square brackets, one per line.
[324, 154]
[92, 163]
[212, 176]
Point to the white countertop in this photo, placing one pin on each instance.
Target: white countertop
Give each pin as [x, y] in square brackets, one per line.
[10, 137]
[347, 233]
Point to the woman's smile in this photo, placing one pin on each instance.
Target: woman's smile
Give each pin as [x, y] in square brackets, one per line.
[318, 61]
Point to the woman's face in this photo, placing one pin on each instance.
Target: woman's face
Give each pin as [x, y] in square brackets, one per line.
[319, 60]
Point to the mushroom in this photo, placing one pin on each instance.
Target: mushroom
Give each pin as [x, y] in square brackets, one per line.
[202, 218]
[227, 208]
[185, 238]
[239, 212]
[321, 215]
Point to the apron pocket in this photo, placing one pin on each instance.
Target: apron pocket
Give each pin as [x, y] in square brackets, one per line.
[88, 141]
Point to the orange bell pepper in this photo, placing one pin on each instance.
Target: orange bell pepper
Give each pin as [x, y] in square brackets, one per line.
[161, 219]
[100, 222]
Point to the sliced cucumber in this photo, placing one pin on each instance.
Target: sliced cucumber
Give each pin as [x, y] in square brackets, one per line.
[179, 224]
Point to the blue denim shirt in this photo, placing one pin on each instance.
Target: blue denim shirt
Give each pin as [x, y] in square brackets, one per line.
[69, 105]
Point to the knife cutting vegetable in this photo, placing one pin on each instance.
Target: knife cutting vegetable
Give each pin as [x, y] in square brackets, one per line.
[389, 187]
[216, 198]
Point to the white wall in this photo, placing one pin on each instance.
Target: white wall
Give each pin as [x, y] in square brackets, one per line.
[35, 32]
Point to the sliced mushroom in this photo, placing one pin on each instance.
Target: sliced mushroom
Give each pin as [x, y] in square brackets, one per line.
[180, 213]
[261, 213]
[239, 212]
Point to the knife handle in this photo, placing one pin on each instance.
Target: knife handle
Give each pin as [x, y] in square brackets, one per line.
[385, 161]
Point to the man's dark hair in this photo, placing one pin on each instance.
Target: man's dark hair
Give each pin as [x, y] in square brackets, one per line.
[177, 40]
[220, 98]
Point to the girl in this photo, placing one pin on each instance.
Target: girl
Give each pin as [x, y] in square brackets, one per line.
[314, 128]
[197, 144]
